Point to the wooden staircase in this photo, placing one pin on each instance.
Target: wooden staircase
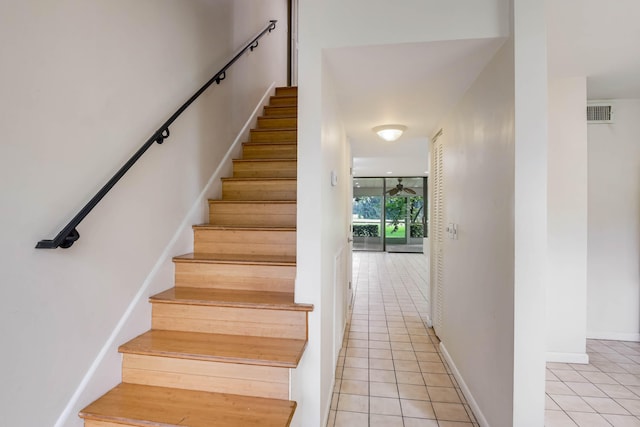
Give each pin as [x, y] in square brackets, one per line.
[225, 337]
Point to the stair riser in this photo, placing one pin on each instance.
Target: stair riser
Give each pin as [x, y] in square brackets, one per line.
[269, 151]
[230, 320]
[274, 135]
[287, 91]
[283, 101]
[254, 214]
[260, 190]
[232, 378]
[265, 169]
[276, 278]
[280, 111]
[244, 242]
[277, 123]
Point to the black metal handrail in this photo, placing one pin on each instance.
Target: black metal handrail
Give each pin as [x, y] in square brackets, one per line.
[69, 233]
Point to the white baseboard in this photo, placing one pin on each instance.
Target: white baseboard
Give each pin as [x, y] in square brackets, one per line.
[582, 358]
[73, 406]
[613, 336]
[465, 389]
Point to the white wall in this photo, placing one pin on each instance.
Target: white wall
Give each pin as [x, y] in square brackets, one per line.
[330, 24]
[477, 315]
[567, 221]
[530, 211]
[326, 257]
[613, 301]
[83, 84]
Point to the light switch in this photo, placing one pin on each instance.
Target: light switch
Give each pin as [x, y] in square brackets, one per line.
[334, 178]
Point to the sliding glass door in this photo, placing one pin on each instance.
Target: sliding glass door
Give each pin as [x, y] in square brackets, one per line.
[389, 214]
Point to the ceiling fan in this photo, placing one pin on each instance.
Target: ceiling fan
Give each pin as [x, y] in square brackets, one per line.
[399, 188]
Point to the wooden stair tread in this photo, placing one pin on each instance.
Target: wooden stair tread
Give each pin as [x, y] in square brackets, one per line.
[235, 259]
[148, 406]
[263, 351]
[264, 160]
[230, 298]
[253, 202]
[243, 228]
[259, 179]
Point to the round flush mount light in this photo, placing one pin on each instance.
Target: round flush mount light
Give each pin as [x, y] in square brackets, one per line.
[390, 132]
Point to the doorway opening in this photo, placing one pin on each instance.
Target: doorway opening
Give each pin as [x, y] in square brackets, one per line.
[389, 214]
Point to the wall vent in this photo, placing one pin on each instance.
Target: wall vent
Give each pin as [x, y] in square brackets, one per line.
[600, 113]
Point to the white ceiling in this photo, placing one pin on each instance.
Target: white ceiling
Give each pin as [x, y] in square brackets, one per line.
[414, 84]
[418, 84]
[598, 39]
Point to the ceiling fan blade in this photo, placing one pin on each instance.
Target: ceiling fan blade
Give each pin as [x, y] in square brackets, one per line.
[393, 191]
[410, 191]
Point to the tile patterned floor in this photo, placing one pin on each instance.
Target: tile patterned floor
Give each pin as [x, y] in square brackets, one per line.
[606, 392]
[390, 372]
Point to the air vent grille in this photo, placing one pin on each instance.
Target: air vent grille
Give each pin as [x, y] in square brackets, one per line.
[599, 114]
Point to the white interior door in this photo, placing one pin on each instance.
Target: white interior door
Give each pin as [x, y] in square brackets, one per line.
[437, 236]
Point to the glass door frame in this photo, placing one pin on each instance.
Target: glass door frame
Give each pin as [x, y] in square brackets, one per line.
[383, 213]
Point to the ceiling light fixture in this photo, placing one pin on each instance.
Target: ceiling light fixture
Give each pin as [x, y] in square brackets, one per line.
[390, 132]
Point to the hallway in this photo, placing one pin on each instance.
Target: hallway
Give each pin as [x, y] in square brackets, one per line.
[390, 372]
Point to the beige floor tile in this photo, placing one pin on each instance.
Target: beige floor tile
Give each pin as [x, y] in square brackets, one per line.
[375, 353]
[450, 411]
[364, 336]
[379, 337]
[617, 391]
[351, 419]
[423, 356]
[550, 404]
[358, 343]
[357, 352]
[585, 389]
[406, 365]
[404, 377]
[334, 401]
[385, 421]
[399, 337]
[572, 403]
[443, 394]
[555, 365]
[569, 375]
[626, 379]
[557, 387]
[381, 345]
[356, 362]
[381, 376]
[383, 389]
[359, 374]
[404, 355]
[417, 409]
[402, 346]
[557, 419]
[413, 392]
[353, 403]
[437, 380]
[433, 367]
[384, 406]
[584, 419]
[419, 422]
[622, 420]
[631, 405]
[599, 378]
[453, 424]
[383, 364]
[606, 405]
[355, 387]
[331, 420]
